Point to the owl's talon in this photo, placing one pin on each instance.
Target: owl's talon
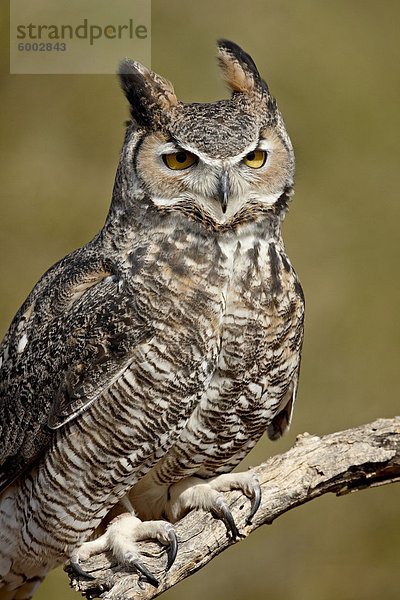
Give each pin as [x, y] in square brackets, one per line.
[224, 513]
[144, 571]
[172, 549]
[255, 502]
[79, 571]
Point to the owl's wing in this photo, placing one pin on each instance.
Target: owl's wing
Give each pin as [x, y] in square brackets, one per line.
[72, 338]
[281, 422]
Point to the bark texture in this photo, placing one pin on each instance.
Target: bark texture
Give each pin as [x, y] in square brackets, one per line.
[341, 462]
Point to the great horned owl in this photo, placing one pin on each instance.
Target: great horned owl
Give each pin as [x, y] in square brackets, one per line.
[144, 366]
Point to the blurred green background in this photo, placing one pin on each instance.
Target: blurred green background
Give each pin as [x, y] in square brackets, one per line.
[333, 66]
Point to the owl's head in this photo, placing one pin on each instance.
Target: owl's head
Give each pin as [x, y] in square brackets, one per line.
[221, 163]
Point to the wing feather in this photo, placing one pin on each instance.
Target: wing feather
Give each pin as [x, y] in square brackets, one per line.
[78, 330]
[281, 422]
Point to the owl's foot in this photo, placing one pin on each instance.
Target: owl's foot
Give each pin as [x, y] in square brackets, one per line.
[120, 538]
[194, 492]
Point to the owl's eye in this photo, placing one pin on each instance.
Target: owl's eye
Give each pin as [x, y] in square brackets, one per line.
[255, 159]
[179, 160]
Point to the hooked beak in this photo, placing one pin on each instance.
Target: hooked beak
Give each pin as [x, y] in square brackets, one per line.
[223, 190]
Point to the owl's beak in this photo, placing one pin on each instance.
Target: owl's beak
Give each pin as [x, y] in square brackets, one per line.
[223, 190]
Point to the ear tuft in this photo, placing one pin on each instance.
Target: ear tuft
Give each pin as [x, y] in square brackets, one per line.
[239, 70]
[150, 96]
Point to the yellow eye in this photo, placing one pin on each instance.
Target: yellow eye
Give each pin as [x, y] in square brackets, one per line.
[179, 160]
[255, 159]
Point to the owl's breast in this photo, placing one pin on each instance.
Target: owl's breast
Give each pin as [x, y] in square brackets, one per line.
[261, 328]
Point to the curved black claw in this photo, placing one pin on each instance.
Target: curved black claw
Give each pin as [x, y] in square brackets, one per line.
[227, 517]
[144, 571]
[172, 549]
[255, 502]
[78, 569]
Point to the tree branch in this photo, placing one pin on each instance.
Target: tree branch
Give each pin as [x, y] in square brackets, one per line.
[341, 462]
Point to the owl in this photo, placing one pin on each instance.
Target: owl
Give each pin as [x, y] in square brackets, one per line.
[144, 366]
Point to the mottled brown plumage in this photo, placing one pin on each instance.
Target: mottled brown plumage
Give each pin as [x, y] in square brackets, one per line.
[144, 366]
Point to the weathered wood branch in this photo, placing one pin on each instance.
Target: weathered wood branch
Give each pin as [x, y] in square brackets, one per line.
[341, 462]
